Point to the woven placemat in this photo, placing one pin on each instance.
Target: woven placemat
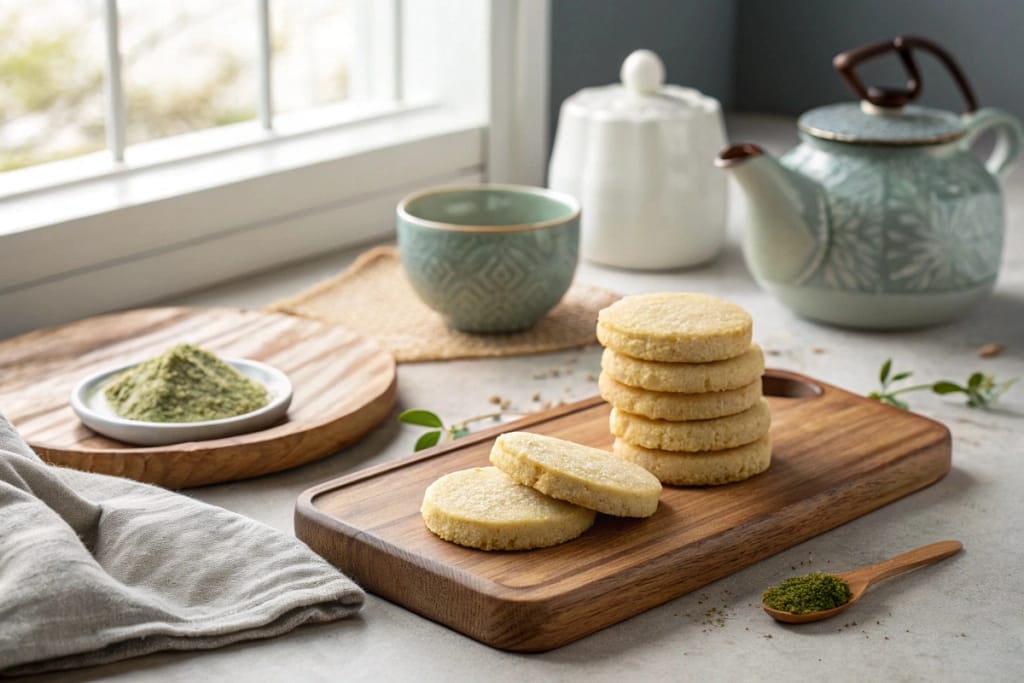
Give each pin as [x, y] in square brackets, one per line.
[374, 298]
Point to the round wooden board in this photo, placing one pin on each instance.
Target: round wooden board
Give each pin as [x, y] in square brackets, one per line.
[344, 385]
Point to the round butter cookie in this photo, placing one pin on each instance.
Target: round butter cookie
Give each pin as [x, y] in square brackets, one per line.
[675, 327]
[693, 435]
[578, 474]
[662, 405]
[685, 378]
[707, 468]
[485, 508]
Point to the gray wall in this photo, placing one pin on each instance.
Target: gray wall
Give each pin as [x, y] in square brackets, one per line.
[590, 38]
[784, 50]
[776, 55]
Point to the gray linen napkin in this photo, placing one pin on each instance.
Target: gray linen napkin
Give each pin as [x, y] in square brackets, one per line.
[95, 569]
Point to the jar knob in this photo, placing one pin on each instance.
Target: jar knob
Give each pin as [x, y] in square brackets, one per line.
[643, 73]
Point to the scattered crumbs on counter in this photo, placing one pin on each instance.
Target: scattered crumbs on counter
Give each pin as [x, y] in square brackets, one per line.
[572, 361]
[818, 351]
[535, 397]
[591, 377]
[505, 404]
[768, 636]
[568, 371]
[772, 352]
[991, 350]
[555, 372]
[545, 405]
[495, 399]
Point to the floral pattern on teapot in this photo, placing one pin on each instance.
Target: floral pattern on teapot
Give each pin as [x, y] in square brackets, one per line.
[918, 220]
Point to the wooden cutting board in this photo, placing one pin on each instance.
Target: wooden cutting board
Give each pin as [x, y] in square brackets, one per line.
[343, 385]
[836, 456]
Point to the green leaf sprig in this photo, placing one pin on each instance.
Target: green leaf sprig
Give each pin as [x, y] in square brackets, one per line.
[425, 418]
[982, 390]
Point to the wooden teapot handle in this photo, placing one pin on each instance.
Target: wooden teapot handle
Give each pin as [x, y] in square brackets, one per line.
[903, 46]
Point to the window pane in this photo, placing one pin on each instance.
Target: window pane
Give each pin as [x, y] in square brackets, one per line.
[51, 80]
[312, 52]
[188, 65]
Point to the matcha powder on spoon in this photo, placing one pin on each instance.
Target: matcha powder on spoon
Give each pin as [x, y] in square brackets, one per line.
[184, 384]
[810, 593]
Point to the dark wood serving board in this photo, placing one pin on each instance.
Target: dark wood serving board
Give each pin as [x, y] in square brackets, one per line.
[836, 456]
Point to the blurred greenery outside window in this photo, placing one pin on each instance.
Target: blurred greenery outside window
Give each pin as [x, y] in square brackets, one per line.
[187, 66]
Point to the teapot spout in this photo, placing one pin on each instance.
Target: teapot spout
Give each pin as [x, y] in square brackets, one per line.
[785, 216]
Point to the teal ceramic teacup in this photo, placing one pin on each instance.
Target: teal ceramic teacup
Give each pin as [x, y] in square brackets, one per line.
[489, 258]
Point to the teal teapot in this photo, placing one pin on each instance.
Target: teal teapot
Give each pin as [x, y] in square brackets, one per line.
[882, 218]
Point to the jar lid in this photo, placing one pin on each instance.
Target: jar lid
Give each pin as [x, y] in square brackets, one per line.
[869, 124]
[641, 96]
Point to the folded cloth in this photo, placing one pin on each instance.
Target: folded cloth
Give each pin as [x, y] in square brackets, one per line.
[95, 569]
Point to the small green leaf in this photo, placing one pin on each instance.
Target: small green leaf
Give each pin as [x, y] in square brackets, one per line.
[945, 387]
[459, 432]
[423, 418]
[902, 405]
[975, 380]
[875, 395]
[901, 375]
[427, 440]
[883, 374]
[894, 402]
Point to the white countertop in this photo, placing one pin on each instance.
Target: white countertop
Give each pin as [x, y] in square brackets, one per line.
[962, 619]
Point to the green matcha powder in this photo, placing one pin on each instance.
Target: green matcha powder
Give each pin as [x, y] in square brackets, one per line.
[806, 594]
[184, 384]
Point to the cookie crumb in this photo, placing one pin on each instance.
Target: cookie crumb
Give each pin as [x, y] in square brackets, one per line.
[991, 350]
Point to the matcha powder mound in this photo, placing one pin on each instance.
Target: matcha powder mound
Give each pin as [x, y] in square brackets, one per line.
[806, 594]
[184, 384]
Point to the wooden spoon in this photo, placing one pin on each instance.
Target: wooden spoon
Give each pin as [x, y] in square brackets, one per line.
[861, 579]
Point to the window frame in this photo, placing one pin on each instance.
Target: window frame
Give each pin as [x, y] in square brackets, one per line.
[138, 235]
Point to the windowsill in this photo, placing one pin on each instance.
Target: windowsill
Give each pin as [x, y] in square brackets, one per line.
[158, 176]
[181, 226]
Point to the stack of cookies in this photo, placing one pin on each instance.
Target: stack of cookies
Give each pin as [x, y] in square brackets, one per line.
[684, 381]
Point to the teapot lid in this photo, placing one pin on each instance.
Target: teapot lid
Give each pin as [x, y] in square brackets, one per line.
[885, 115]
[642, 95]
[868, 124]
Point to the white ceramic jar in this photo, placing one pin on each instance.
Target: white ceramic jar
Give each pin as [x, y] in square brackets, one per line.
[639, 156]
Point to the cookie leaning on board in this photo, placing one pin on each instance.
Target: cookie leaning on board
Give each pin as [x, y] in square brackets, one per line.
[588, 477]
[684, 381]
[541, 491]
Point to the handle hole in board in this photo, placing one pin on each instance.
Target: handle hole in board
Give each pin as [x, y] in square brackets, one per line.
[787, 387]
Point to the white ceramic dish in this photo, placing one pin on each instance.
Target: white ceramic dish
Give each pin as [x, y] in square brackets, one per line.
[89, 403]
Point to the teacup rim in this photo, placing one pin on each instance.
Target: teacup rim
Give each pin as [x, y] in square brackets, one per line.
[562, 197]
